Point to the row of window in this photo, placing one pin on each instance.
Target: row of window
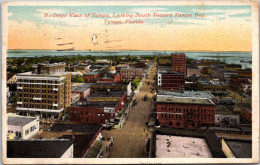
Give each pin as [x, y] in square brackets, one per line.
[89, 113]
[185, 110]
[38, 81]
[186, 117]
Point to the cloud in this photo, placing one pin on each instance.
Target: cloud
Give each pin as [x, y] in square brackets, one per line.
[147, 10]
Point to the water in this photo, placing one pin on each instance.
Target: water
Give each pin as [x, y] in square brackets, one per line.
[243, 58]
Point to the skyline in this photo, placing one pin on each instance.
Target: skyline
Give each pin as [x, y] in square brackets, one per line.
[223, 28]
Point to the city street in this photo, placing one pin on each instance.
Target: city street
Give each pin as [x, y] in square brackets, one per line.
[129, 141]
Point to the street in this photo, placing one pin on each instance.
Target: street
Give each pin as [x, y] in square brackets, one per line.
[129, 141]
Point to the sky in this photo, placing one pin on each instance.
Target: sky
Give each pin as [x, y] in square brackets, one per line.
[220, 28]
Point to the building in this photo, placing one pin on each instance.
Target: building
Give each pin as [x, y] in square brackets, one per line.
[40, 149]
[178, 62]
[108, 95]
[215, 89]
[235, 67]
[131, 73]
[234, 148]
[91, 77]
[192, 70]
[226, 118]
[84, 136]
[22, 127]
[83, 89]
[223, 74]
[45, 91]
[236, 82]
[247, 114]
[103, 113]
[75, 97]
[169, 80]
[184, 111]
[111, 87]
[168, 146]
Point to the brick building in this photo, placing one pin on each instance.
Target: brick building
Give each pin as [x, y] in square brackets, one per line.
[46, 91]
[91, 77]
[96, 112]
[112, 87]
[131, 73]
[237, 82]
[185, 112]
[167, 79]
[178, 62]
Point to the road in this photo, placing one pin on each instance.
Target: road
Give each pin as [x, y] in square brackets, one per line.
[129, 141]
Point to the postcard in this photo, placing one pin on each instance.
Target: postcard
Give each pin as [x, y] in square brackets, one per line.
[130, 82]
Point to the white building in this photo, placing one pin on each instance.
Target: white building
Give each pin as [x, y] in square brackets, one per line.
[22, 127]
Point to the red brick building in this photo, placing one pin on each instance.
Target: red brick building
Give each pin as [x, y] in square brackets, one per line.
[171, 80]
[110, 78]
[185, 112]
[178, 62]
[131, 73]
[96, 112]
[237, 82]
[91, 77]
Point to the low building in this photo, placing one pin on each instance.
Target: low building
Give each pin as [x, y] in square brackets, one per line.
[235, 67]
[236, 82]
[166, 79]
[247, 114]
[112, 87]
[223, 74]
[91, 77]
[215, 89]
[234, 148]
[108, 96]
[103, 113]
[22, 127]
[83, 89]
[40, 149]
[226, 118]
[192, 70]
[131, 73]
[168, 146]
[185, 112]
[75, 97]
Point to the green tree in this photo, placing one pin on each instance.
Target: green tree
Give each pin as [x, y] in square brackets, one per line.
[14, 99]
[78, 78]
[136, 83]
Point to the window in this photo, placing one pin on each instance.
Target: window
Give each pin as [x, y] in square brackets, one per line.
[27, 132]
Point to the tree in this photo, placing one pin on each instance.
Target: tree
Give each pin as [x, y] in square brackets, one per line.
[14, 99]
[78, 78]
[136, 83]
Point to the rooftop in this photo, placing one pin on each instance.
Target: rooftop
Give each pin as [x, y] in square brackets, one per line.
[186, 93]
[108, 94]
[240, 148]
[85, 128]
[108, 84]
[95, 104]
[56, 74]
[81, 88]
[44, 149]
[81, 142]
[19, 120]
[221, 109]
[91, 73]
[183, 100]
[191, 66]
[181, 147]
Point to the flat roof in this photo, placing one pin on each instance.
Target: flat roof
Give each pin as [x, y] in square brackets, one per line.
[183, 100]
[91, 73]
[240, 148]
[191, 66]
[43, 75]
[181, 147]
[37, 148]
[95, 104]
[221, 109]
[85, 128]
[108, 84]
[108, 94]
[19, 120]
[81, 88]
[187, 93]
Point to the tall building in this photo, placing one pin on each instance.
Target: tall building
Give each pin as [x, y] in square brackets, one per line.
[178, 62]
[46, 91]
